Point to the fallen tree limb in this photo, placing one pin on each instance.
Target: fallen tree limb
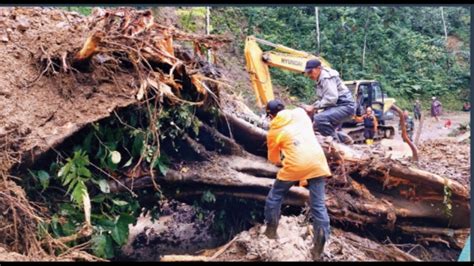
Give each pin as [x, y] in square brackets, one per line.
[457, 237]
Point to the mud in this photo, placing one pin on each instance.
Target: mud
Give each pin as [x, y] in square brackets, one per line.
[37, 112]
[181, 229]
[446, 157]
[295, 241]
[433, 129]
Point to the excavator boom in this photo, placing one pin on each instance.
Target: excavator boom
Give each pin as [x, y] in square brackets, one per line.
[258, 62]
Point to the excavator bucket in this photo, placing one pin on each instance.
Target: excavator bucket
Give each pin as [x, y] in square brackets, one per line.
[257, 68]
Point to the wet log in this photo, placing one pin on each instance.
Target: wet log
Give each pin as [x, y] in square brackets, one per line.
[245, 178]
[450, 237]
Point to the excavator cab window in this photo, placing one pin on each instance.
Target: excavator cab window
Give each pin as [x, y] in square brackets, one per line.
[377, 98]
[365, 101]
[377, 94]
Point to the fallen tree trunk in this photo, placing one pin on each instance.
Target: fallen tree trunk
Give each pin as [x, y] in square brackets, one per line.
[352, 204]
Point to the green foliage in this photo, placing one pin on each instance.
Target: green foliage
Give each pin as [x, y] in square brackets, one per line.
[74, 174]
[42, 177]
[84, 10]
[102, 246]
[192, 18]
[112, 145]
[208, 197]
[176, 121]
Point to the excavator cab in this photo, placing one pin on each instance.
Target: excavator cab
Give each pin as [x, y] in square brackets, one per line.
[369, 93]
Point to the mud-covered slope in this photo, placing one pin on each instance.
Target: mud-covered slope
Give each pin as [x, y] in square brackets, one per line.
[38, 111]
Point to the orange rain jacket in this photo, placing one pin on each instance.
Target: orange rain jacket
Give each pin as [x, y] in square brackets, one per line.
[291, 133]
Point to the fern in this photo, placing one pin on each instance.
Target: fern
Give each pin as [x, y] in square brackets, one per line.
[74, 174]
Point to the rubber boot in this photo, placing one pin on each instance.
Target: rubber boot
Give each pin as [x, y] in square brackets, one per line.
[318, 244]
[271, 231]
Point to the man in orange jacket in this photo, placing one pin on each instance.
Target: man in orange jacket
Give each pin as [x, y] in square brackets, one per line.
[291, 135]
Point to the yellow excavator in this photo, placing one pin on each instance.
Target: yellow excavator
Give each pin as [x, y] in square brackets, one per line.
[366, 92]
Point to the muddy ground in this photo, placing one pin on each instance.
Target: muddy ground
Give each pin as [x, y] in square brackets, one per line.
[439, 149]
[29, 36]
[181, 229]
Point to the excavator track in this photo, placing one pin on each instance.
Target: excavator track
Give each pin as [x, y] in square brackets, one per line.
[384, 132]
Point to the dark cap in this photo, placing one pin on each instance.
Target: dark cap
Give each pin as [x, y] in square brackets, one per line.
[274, 106]
[313, 63]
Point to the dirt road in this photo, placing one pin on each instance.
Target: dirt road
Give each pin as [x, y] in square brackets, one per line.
[433, 129]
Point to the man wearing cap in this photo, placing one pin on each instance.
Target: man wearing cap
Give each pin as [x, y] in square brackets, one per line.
[335, 99]
[291, 136]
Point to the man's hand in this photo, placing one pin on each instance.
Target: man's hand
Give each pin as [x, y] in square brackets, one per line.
[310, 110]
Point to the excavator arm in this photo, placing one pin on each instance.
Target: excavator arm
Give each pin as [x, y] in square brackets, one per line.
[258, 62]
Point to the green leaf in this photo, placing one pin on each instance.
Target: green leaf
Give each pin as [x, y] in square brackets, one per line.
[68, 179]
[98, 199]
[64, 170]
[82, 171]
[68, 228]
[137, 146]
[161, 162]
[100, 153]
[78, 193]
[105, 223]
[119, 202]
[86, 144]
[43, 177]
[104, 186]
[120, 231]
[162, 167]
[102, 246]
[55, 225]
[53, 168]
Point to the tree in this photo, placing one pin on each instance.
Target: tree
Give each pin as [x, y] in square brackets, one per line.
[208, 29]
[316, 12]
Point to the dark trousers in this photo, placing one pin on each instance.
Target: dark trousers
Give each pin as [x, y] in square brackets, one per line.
[318, 206]
[369, 133]
[417, 115]
[327, 121]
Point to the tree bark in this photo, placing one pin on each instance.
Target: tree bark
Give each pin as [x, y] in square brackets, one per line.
[444, 26]
[316, 12]
[365, 38]
[208, 30]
